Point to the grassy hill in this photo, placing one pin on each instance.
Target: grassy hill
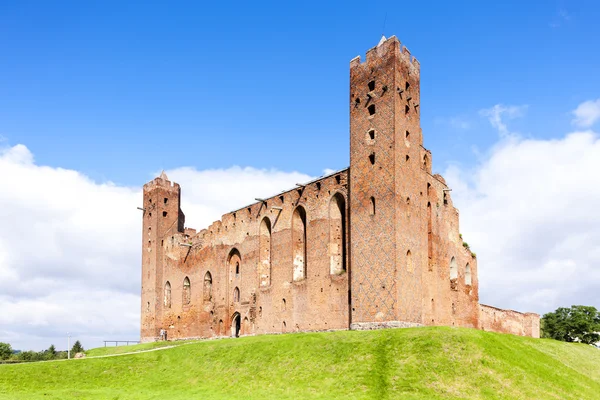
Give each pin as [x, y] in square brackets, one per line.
[422, 363]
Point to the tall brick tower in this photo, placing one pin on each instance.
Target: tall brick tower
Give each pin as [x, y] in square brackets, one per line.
[162, 218]
[387, 220]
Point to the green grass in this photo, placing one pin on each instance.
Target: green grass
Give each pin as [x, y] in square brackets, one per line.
[421, 363]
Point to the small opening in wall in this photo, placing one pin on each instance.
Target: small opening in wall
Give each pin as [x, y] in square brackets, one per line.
[299, 192]
[406, 109]
[249, 210]
[372, 134]
[149, 243]
[408, 201]
[166, 200]
[407, 86]
[372, 206]
[281, 198]
[149, 215]
[318, 185]
[162, 242]
[372, 158]
[338, 179]
[164, 213]
[371, 86]
[234, 216]
[357, 101]
[371, 109]
[445, 199]
[148, 306]
[284, 305]
[407, 134]
[428, 188]
[407, 158]
[237, 268]
[150, 200]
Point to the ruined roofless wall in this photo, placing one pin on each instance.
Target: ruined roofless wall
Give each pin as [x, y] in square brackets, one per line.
[301, 232]
[509, 321]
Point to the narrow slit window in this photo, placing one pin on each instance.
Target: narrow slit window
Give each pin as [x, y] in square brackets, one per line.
[372, 158]
[406, 109]
[372, 206]
[164, 213]
[407, 134]
[372, 134]
[371, 86]
[372, 109]
[468, 279]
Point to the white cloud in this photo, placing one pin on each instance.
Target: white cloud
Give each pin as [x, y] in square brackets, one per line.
[498, 114]
[69, 257]
[456, 122]
[529, 212]
[586, 114]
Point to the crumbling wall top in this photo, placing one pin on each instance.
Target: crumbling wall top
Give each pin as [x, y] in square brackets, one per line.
[385, 46]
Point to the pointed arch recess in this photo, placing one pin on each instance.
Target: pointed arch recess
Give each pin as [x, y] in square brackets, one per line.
[299, 243]
[337, 234]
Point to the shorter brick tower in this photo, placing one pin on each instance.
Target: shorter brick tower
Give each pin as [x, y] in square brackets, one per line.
[162, 218]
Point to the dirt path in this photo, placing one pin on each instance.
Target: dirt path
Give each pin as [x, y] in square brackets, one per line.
[131, 352]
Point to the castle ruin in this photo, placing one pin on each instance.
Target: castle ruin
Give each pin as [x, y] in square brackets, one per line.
[374, 245]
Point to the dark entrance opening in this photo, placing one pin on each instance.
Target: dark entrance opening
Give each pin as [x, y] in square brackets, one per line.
[236, 324]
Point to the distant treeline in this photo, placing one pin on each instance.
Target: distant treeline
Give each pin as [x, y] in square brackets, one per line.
[8, 356]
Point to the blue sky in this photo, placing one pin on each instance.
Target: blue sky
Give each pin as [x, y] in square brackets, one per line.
[119, 90]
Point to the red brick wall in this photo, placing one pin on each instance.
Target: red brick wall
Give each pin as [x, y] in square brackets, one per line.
[318, 302]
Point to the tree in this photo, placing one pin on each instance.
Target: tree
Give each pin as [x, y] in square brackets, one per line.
[578, 323]
[51, 352]
[5, 351]
[77, 348]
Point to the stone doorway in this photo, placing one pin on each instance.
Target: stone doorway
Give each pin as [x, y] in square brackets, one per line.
[236, 324]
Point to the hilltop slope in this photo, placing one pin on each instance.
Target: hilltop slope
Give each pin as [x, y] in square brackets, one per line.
[421, 363]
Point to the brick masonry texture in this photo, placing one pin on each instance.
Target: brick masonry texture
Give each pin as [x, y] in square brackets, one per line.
[373, 246]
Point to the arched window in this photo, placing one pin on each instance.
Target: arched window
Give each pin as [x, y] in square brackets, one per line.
[168, 295]
[207, 286]
[409, 262]
[236, 295]
[264, 245]
[187, 291]
[235, 263]
[299, 243]
[337, 234]
[468, 275]
[453, 269]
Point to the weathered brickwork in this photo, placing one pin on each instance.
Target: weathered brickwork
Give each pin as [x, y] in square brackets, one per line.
[375, 245]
